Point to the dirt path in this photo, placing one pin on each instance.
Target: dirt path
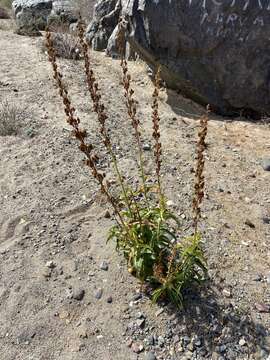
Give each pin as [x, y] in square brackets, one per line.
[53, 225]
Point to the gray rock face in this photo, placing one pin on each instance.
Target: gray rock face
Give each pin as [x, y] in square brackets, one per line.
[36, 14]
[32, 13]
[106, 15]
[214, 51]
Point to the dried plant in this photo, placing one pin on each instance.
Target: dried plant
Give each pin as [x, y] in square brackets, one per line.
[11, 118]
[148, 235]
[199, 176]
[132, 113]
[156, 130]
[65, 45]
[74, 121]
[99, 109]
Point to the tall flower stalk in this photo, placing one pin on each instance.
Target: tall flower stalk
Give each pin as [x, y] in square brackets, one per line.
[99, 109]
[199, 175]
[156, 132]
[74, 121]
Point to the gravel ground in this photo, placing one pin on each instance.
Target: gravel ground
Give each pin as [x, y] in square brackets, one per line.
[66, 294]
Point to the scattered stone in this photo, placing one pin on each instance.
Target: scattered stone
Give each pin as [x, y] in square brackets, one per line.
[99, 293]
[159, 312]
[257, 277]
[146, 147]
[150, 356]
[161, 341]
[186, 340]
[266, 220]
[78, 294]
[140, 323]
[104, 266]
[140, 315]
[249, 223]
[266, 164]
[109, 300]
[137, 297]
[82, 333]
[137, 348]
[262, 308]
[129, 343]
[150, 340]
[107, 214]
[226, 293]
[50, 264]
[242, 342]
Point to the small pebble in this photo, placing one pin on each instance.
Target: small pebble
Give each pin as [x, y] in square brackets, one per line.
[137, 348]
[249, 223]
[242, 342]
[266, 164]
[78, 294]
[104, 266]
[146, 147]
[50, 264]
[98, 294]
[262, 308]
[109, 300]
[226, 293]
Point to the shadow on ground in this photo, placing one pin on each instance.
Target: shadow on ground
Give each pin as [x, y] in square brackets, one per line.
[218, 330]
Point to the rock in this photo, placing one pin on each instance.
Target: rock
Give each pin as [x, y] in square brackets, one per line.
[249, 223]
[242, 342]
[150, 356]
[31, 14]
[107, 214]
[159, 312]
[78, 294]
[137, 348]
[99, 293]
[266, 164]
[50, 264]
[104, 266]
[129, 343]
[63, 12]
[109, 299]
[106, 15]
[213, 51]
[262, 308]
[257, 278]
[266, 220]
[150, 340]
[146, 147]
[140, 323]
[161, 341]
[226, 293]
[34, 15]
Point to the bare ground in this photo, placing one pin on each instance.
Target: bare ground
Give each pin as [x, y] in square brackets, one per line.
[51, 210]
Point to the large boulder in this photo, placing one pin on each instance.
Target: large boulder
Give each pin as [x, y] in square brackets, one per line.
[31, 14]
[106, 15]
[63, 13]
[214, 51]
[35, 15]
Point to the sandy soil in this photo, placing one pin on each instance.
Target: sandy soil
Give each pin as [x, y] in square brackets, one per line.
[51, 210]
